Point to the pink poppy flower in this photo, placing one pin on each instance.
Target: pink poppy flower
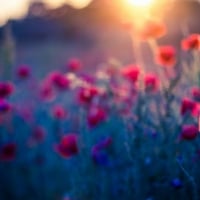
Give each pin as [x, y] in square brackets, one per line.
[87, 94]
[96, 115]
[68, 145]
[196, 93]
[74, 65]
[38, 136]
[47, 92]
[6, 89]
[188, 105]
[151, 82]
[131, 72]
[23, 71]
[59, 112]
[59, 80]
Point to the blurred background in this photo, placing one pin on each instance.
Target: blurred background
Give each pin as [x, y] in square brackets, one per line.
[45, 34]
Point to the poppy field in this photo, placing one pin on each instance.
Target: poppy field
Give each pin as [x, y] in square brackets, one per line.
[126, 132]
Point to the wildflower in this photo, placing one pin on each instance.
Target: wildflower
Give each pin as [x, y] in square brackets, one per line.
[46, 91]
[6, 89]
[99, 155]
[59, 112]
[166, 56]
[189, 132]
[59, 80]
[131, 72]
[152, 29]
[4, 106]
[23, 71]
[87, 94]
[74, 65]
[196, 93]
[192, 42]
[96, 115]
[37, 136]
[103, 144]
[26, 112]
[188, 105]
[87, 78]
[8, 152]
[68, 145]
[151, 82]
[176, 183]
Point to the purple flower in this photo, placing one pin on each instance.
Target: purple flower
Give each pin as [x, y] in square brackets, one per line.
[4, 106]
[176, 183]
[99, 154]
[23, 71]
[100, 157]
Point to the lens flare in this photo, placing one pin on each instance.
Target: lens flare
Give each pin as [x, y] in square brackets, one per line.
[140, 3]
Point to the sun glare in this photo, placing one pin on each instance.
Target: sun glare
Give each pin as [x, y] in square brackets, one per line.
[140, 3]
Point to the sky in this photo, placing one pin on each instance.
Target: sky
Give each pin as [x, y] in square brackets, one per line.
[18, 8]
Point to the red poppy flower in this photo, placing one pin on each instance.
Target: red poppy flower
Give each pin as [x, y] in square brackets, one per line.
[188, 105]
[87, 94]
[6, 89]
[23, 71]
[74, 65]
[196, 93]
[152, 29]
[47, 92]
[8, 152]
[38, 136]
[59, 80]
[166, 56]
[151, 82]
[26, 112]
[59, 112]
[189, 132]
[131, 72]
[96, 115]
[192, 42]
[68, 145]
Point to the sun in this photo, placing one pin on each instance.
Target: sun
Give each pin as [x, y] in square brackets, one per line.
[140, 3]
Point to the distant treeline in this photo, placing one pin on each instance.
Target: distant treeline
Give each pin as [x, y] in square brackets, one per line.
[68, 23]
